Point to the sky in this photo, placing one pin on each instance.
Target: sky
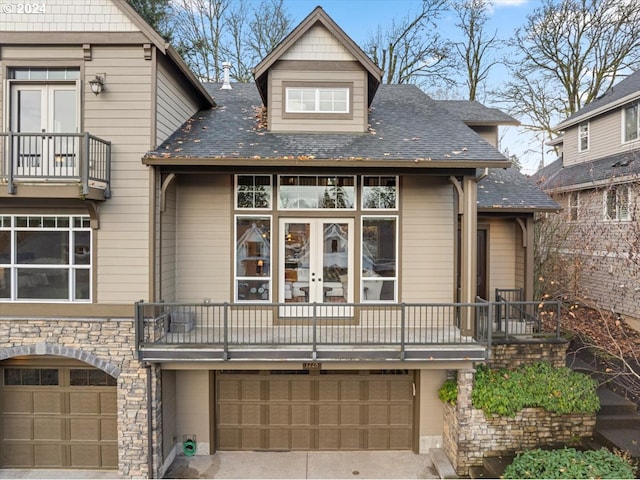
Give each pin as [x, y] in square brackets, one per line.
[361, 18]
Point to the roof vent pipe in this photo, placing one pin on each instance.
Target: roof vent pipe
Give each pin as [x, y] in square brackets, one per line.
[226, 82]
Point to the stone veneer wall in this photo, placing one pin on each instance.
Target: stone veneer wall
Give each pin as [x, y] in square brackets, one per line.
[512, 355]
[108, 344]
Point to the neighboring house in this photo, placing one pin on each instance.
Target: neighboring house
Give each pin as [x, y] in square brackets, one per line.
[596, 181]
[281, 271]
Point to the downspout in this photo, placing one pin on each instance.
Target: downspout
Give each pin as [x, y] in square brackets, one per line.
[149, 423]
[482, 175]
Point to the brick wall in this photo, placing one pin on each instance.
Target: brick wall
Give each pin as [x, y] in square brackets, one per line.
[108, 344]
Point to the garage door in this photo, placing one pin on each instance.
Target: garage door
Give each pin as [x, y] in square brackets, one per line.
[314, 410]
[57, 417]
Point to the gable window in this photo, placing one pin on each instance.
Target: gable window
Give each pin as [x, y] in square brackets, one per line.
[45, 258]
[310, 192]
[253, 191]
[616, 203]
[317, 100]
[583, 136]
[574, 206]
[631, 123]
[379, 192]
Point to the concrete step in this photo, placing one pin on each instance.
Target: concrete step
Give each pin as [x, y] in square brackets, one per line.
[613, 404]
[494, 466]
[617, 421]
[441, 463]
[626, 439]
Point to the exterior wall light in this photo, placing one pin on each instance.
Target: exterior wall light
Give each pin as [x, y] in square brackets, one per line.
[97, 84]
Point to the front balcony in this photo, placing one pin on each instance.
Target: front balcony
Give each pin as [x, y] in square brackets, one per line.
[336, 332]
[55, 165]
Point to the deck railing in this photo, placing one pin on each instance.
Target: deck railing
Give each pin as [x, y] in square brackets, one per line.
[79, 157]
[233, 326]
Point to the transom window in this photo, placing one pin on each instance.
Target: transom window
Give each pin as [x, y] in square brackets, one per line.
[45, 258]
[583, 136]
[631, 123]
[379, 192]
[308, 192]
[253, 191]
[32, 73]
[317, 100]
[616, 201]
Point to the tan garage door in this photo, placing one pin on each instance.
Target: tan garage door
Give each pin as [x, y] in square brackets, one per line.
[314, 410]
[57, 417]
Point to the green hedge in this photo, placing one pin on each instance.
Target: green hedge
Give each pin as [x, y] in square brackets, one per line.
[506, 392]
[568, 463]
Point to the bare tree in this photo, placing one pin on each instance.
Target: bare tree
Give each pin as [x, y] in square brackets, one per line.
[411, 50]
[570, 51]
[477, 50]
[156, 13]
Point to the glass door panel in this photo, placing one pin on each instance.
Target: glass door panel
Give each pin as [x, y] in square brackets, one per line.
[27, 117]
[63, 119]
[316, 265]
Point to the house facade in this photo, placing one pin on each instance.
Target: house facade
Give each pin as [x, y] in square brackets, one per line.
[595, 179]
[290, 264]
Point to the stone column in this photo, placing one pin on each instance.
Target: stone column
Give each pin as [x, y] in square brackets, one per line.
[464, 417]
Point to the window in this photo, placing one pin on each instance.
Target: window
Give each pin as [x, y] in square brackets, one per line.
[583, 136]
[31, 376]
[616, 200]
[253, 191]
[574, 206]
[307, 192]
[45, 258]
[253, 258]
[317, 100]
[631, 123]
[379, 193]
[379, 259]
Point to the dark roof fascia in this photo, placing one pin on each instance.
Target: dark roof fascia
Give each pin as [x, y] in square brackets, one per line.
[596, 112]
[606, 182]
[411, 164]
[508, 211]
[318, 15]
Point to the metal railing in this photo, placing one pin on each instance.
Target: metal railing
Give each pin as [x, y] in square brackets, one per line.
[514, 317]
[46, 156]
[228, 326]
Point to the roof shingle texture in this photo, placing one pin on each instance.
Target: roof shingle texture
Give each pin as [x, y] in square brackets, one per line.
[405, 124]
[509, 189]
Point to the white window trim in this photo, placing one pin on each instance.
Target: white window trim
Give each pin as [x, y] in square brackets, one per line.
[369, 209]
[395, 278]
[72, 267]
[576, 206]
[267, 278]
[624, 123]
[582, 135]
[615, 189]
[316, 91]
[235, 192]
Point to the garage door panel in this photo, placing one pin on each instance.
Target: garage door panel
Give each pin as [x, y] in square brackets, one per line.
[48, 455]
[47, 402]
[108, 429]
[109, 403]
[17, 455]
[84, 429]
[328, 411]
[85, 455]
[17, 401]
[48, 429]
[109, 456]
[84, 402]
[17, 428]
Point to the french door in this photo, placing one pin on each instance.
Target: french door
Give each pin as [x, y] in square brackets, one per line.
[38, 109]
[316, 264]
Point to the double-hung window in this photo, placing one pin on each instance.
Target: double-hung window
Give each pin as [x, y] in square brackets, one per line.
[616, 203]
[583, 136]
[574, 206]
[45, 258]
[631, 123]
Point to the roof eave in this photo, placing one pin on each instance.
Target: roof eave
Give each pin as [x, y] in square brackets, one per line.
[525, 209]
[597, 111]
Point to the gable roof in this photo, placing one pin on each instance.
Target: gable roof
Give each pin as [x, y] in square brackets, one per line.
[317, 16]
[407, 129]
[474, 113]
[623, 92]
[508, 190]
[616, 168]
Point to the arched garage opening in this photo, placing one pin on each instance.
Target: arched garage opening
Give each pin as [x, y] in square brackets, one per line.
[57, 412]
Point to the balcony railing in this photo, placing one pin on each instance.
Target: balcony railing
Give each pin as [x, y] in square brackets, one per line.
[313, 332]
[56, 157]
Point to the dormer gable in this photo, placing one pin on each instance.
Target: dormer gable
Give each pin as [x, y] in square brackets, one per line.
[317, 80]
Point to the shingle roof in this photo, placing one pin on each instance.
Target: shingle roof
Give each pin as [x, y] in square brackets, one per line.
[620, 90]
[508, 189]
[405, 125]
[556, 176]
[475, 113]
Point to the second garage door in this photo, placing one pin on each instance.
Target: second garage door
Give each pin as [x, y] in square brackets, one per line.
[314, 410]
